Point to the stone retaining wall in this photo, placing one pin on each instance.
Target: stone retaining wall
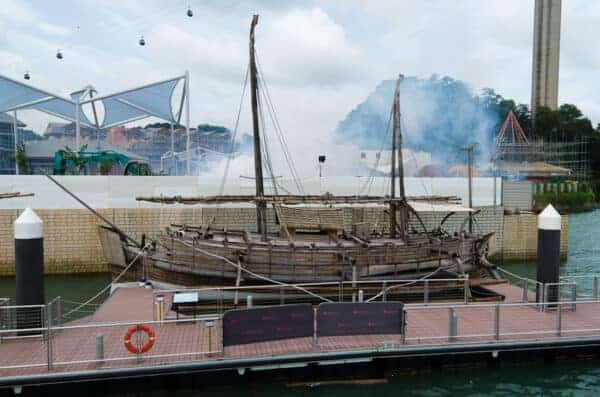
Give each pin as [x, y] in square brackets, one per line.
[520, 238]
[72, 245]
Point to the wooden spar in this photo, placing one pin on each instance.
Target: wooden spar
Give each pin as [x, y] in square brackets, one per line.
[470, 149]
[261, 205]
[397, 152]
[118, 230]
[14, 195]
[393, 206]
[295, 199]
[404, 205]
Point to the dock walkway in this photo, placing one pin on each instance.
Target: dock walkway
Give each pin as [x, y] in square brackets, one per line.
[72, 347]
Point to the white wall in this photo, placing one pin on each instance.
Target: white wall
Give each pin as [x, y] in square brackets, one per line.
[120, 191]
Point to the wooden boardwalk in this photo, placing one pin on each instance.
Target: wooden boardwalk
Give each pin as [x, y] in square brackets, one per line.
[73, 348]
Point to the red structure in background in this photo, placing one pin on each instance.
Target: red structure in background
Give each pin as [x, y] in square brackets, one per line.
[511, 131]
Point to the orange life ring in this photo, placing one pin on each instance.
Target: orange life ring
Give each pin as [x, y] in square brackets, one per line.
[137, 328]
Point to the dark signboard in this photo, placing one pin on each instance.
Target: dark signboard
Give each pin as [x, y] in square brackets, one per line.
[359, 318]
[267, 323]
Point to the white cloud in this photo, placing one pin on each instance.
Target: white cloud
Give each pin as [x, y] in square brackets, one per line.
[320, 58]
[308, 47]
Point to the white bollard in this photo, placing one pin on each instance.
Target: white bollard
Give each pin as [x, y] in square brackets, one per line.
[548, 252]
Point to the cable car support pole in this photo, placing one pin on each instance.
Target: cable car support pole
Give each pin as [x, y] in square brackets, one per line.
[187, 121]
[15, 133]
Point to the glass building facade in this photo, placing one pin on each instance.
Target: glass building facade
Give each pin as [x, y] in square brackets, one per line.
[7, 146]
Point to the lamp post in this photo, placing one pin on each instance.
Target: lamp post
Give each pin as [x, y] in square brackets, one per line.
[321, 160]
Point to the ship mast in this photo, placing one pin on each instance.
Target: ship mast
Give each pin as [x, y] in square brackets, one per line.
[397, 152]
[261, 205]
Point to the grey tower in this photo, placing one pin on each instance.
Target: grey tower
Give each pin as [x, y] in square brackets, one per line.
[546, 54]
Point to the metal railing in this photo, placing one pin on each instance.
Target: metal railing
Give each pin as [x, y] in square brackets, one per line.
[569, 288]
[536, 327]
[92, 345]
[526, 284]
[102, 344]
[588, 285]
[5, 322]
[54, 311]
[21, 321]
[220, 299]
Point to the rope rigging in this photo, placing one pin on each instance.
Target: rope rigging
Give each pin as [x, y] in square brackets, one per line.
[103, 290]
[264, 89]
[264, 143]
[235, 131]
[369, 182]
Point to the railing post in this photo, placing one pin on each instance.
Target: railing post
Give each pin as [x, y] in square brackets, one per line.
[360, 296]
[466, 288]
[545, 288]
[210, 325]
[48, 314]
[497, 322]
[525, 298]
[384, 291]
[281, 295]
[595, 288]
[219, 302]
[574, 295]
[558, 319]
[249, 301]
[236, 297]
[59, 311]
[403, 335]
[159, 308]
[99, 349]
[426, 292]
[453, 325]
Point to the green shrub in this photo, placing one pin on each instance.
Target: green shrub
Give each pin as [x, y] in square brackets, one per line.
[594, 185]
[570, 200]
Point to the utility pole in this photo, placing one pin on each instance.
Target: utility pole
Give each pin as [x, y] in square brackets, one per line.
[173, 159]
[77, 125]
[470, 149]
[187, 124]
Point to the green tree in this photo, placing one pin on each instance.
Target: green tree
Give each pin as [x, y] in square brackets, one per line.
[164, 125]
[74, 162]
[106, 166]
[22, 161]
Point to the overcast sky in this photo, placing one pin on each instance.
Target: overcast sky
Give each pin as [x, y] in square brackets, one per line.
[320, 58]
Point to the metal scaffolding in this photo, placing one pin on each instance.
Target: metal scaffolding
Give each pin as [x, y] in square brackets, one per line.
[573, 155]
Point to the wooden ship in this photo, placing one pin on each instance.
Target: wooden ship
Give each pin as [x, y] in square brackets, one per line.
[311, 245]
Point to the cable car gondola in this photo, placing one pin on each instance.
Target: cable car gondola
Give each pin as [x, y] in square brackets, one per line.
[142, 41]
[59, 54]
[26, 76]
[190, 13]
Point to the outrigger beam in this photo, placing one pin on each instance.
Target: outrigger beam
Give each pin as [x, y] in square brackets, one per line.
[296, 199]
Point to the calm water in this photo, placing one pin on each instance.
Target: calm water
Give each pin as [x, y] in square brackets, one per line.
[564, 380]
[70, 287]
[584, 248]
[572, 379]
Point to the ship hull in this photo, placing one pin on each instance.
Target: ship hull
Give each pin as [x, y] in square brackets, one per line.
[182, 258]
